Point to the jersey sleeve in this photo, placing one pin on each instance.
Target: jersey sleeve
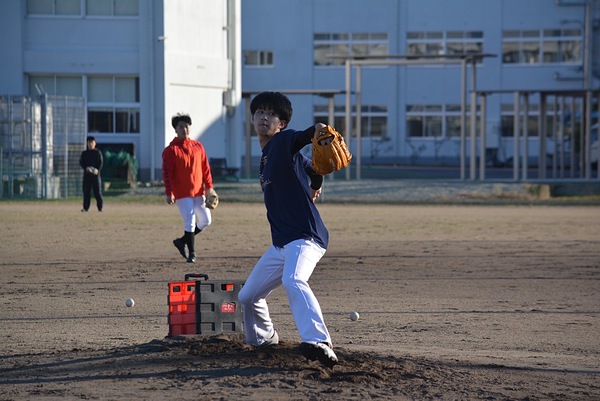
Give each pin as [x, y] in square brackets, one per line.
[206, 172]
[168, 164]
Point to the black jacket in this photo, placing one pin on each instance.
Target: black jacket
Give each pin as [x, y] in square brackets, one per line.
[91, 158]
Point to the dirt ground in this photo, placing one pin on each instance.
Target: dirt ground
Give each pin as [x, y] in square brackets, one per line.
[456, 303]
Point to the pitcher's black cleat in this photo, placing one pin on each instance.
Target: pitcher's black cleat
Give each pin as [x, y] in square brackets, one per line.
[319, 351]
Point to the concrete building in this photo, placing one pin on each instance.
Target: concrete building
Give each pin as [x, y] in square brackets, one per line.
[138, 62]
[411, 113]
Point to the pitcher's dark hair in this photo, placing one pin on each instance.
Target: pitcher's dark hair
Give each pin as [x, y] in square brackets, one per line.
[274, 101]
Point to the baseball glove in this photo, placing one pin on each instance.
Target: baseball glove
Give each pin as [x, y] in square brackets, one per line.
[212, 199]
[329, 151]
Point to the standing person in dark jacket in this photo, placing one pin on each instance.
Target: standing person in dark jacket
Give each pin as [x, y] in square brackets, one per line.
[188, 180]
[91, 163]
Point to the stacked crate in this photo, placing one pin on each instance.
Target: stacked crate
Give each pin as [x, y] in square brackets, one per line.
[204, 306]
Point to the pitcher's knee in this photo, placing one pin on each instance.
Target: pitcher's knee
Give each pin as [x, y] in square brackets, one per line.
[244, 297]
[291, 283]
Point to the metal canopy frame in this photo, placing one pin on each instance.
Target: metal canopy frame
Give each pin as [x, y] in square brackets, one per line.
[520, 161]
[402, 60]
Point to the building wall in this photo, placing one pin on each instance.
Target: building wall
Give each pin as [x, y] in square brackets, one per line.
[289, 34]
[187, 55]
[178, 50]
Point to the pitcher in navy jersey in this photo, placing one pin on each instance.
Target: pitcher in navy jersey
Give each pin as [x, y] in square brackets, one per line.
[290, 187]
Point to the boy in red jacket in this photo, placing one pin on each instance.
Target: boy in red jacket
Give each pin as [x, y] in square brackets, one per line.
[187, 178]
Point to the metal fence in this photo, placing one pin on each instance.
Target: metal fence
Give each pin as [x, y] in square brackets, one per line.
[41, 140]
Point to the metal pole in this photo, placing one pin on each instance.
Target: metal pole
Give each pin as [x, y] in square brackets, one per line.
[248, 136]
[542, 137]
[582, 140]
[587, 143]
[598, 140]
[562, 137]
[554, 137]
[516, 134]
[587, 42]
[358, 120]
[348, 116]
[331, 111]
[463, 119]
[572, 138]
[482, 123]
[525, 135]
[331, 122]
[1, 173]
[44, 140]
[473, 132]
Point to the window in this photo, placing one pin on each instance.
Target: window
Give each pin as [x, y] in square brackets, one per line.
[434, 121]
[542, 46]
[113, 104]
[444, 43]
[373, 119]
[112, 7]
[258, 58]
[56, 85]
[330, 49]
[508, 119]
[123, 8]
[54, 7]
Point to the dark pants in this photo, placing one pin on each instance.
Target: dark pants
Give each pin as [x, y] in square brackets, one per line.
[92, 183]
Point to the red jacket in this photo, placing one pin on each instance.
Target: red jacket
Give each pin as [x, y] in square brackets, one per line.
[186, 172]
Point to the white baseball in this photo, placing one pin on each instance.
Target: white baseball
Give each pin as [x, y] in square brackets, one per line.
[354, 316]
[129, 302]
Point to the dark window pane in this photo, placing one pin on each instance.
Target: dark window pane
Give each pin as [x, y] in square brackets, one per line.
[100, 121]
[127, 121]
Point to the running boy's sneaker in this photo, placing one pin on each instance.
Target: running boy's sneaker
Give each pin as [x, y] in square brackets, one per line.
[319, 351]
[192, 257]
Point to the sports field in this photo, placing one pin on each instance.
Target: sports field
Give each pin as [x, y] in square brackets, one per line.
[456, 302]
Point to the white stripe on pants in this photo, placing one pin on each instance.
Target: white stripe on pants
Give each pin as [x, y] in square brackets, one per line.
[290, 266]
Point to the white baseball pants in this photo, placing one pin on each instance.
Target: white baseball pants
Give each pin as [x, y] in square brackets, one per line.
[194, 213]
[290, 266]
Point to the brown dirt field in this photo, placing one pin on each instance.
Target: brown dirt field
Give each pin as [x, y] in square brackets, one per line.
[456, 303]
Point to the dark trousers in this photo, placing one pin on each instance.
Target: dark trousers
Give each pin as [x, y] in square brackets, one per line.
[92, 183]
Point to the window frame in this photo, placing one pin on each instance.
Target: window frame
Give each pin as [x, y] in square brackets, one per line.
[442, 112]
[542, 38]
[260, 56]
[371, 115]
[429, 41]
[83, 10]
[346, 44]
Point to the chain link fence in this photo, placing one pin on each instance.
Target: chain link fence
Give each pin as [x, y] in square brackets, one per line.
[41, 140]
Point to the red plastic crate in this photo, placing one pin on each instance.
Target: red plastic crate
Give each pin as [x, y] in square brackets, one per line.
[203, 306]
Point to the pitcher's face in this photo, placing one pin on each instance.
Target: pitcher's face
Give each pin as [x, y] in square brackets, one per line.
[266, 123]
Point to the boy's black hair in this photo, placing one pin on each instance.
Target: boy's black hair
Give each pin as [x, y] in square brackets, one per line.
[274, 101]
[90, 138]
[180, 117]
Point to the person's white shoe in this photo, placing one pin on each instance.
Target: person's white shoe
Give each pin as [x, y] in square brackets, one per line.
[274, 340]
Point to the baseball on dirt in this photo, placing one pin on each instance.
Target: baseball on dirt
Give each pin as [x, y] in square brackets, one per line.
[354, 316]
[129, 302]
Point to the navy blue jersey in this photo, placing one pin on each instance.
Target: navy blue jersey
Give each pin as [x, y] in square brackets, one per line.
[284, 173]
